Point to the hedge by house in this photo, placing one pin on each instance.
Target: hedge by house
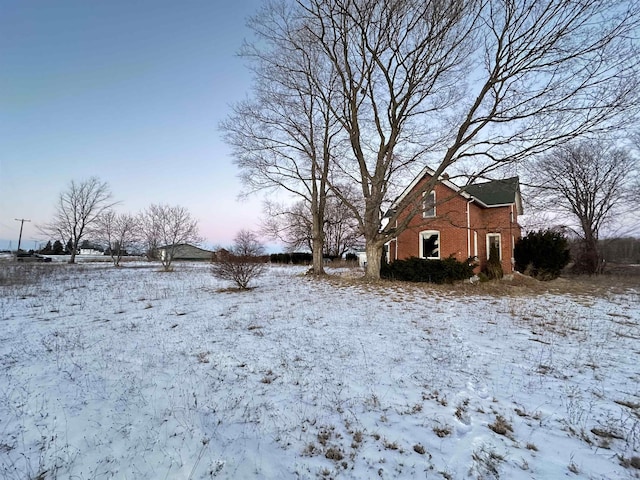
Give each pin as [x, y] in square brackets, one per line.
[416, 269]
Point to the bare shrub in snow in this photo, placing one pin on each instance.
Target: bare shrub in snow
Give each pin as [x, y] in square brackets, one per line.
[243, 263]
[334, 453]
[501, 426]
[486, 462]
[442, 429]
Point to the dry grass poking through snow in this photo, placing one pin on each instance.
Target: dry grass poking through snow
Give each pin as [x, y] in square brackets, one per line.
[132, 373]
[512, 285]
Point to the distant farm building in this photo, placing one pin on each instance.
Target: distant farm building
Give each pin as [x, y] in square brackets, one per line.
[185, 251]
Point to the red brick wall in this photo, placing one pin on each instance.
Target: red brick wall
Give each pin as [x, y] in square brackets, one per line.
[451, 222]
[497, 220]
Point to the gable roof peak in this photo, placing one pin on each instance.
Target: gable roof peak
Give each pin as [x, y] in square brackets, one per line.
[492, 193]
[496, 192]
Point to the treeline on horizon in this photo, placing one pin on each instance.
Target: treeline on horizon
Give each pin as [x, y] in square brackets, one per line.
[624, 250]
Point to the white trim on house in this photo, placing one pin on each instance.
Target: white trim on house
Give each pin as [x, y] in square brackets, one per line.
[475, 243]
[431, 212]
[427, 234]
[469, 202]
[499, 236]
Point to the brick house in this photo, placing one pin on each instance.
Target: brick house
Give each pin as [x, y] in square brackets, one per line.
[462, 223]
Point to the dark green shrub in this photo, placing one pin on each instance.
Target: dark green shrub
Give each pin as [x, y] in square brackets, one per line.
[493, 268]
[416, 269]
[542, 254]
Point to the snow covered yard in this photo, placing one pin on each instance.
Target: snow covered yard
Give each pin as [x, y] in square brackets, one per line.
[136, 374]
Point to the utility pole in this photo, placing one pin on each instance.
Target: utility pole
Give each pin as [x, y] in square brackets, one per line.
[21, 220]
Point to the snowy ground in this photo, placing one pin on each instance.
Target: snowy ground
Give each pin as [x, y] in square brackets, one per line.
[136, 374]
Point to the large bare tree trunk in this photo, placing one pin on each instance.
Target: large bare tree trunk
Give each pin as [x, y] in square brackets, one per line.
[589, 260]
[318, 260]
[374, 260]
[317, 235]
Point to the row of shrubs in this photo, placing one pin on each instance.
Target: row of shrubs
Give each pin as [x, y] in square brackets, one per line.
[542, 255]
[291, 258]
[297, 258]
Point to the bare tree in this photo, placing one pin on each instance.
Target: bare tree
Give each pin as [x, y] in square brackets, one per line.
[77, 211]
[149, 231]
[463, 85]
[635, 138]
[285, 136]
[243, 263]
[341, 228]
[293, 226]
[585, 185]
[119, 232]
[290, 224]
[164, 228]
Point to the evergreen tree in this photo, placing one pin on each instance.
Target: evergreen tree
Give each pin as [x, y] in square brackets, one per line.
[58, 249]
[542, 254]
[48, 249]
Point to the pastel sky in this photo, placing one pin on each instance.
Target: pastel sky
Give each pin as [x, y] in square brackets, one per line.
[129, 91]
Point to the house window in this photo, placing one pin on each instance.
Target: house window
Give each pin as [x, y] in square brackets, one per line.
[430, 244]
[493, 240]
[429, 205]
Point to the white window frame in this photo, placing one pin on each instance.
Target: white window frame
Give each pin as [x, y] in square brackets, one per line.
[475, 244]
[432, 210]
[489, 236]
[429, 233]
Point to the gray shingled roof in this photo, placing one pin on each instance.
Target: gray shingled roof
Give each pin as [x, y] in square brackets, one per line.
[495, 192]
